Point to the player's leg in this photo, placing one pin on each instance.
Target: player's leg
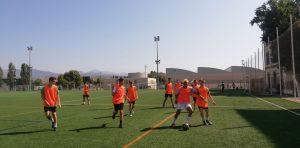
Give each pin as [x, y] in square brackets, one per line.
[170, 95]
[54, 115]
[202, 116]
[121, 118]
[175, 117]
[130, 109]
[83, 100]
[194, 99]
[207, 117]
[166, 97]
[88, 99]
[115, 111]
[190, 112]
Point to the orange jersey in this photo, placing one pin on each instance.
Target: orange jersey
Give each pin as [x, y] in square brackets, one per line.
[195, 88]
[131, 93]
[118, 97]
[204, 92]
[86, 89]
[169, 88]
[50, 95]
[184, 95]
[177, 85]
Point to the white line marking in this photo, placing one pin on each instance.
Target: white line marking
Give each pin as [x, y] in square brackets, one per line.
[295, 113]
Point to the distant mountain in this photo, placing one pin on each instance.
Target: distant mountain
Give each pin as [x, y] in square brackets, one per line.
[103, 73]
[35, 73]
[42, 74]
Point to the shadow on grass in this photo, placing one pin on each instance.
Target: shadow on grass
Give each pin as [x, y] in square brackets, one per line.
[25, 133]
[281, 126]
[117, 116]
[96, 109]
[150, 108]
[177, 127]
[103, 126]
[237, 127]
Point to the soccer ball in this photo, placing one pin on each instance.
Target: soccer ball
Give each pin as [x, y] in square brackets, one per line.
[186, 126]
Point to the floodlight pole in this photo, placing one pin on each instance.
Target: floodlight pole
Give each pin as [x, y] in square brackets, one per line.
[157, 61]
[145, 71]
[279, 66]
[293, 57]
[30, 68]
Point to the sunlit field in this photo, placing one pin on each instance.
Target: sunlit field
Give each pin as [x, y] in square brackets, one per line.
[238, 121]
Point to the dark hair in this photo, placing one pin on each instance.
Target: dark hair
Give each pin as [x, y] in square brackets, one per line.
[121, 79]
[52, 79]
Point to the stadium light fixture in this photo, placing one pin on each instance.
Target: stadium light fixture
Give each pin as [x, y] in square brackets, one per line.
[157, 61]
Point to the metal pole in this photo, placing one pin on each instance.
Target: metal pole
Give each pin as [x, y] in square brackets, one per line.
[279, 65]
[255, 71]
[156, 39]
[30, 69]
[145, 71]
[264, 64]
[270, 64]
[293, 57]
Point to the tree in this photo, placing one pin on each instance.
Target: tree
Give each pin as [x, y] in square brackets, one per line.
[25, 74]
[161, 76]
[11, 75]
[73, 78]
[272, 14]
[1, 76]
[38, 82]
[62, 81]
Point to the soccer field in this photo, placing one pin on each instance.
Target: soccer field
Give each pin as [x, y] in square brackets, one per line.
[238, 121]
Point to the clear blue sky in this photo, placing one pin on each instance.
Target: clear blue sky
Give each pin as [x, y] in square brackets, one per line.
[117, 35]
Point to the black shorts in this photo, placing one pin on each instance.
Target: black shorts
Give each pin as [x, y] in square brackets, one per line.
[86, 95]
[194, 98]
[118, 106]
[131, 102]
[168, 95]
[202, 107]
[51, 109]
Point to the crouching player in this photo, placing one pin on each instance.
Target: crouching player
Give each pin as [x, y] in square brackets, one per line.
[51, 99]
[131, 94]
[118, 100]
[202, 102]
[183, 102]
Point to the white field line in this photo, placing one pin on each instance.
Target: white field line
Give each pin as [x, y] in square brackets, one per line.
[295, 113]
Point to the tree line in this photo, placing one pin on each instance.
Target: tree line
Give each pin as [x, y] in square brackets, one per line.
[275, 13]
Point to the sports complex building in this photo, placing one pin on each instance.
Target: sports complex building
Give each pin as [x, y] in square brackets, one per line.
[214, 77]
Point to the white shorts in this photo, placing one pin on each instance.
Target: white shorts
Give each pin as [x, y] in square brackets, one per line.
[181, 106]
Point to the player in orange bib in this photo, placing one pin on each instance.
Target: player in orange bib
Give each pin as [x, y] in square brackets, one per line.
[195, 87]
[131, 95]
[176, 86]
[202, 102]
[118, 100]
[168, 92]
[86, 93]
[183, 101]
[50, 97]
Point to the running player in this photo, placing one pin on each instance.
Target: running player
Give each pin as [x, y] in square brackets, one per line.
[195, 87]
[118, 100]
[202, 102]
[131, 94]
[86, 93]
[176, 86]
[183, 102]
[168, 92]
[51, 99]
